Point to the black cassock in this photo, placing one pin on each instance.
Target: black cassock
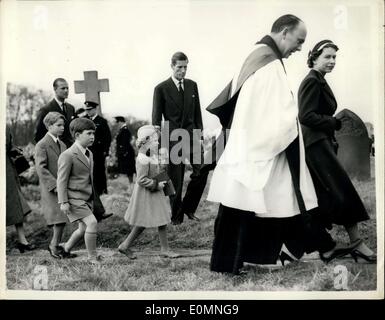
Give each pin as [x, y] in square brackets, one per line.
[125, 153]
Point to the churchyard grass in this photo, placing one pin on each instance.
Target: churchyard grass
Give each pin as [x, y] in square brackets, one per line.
[150, 272]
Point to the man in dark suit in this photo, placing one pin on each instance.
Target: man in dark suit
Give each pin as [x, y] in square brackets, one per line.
[177, 101]
[57, 104]
[125, 153]
[100, 148]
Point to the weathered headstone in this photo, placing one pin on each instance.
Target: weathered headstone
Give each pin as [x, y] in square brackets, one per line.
[92, 86]
[354, 145]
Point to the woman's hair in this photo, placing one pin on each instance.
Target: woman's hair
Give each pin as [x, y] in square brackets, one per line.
[317, 51]
[52, 117]
[81, 124]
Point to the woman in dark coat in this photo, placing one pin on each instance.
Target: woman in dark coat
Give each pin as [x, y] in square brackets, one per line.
[338, 200]
[16, 206]
[125, 153]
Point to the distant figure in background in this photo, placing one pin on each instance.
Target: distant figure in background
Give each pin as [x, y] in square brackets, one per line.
[338, 201]
[57, 104]
[16, 205]
[100, 148]
[47, 152]
[125, 153]
[372, 145]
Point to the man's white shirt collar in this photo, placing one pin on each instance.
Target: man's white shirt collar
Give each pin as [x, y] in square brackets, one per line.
[176, 82]
[82, 149]
[55, 139]
[60, 103]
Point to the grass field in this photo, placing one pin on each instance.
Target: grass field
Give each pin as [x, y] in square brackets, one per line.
[150, 272]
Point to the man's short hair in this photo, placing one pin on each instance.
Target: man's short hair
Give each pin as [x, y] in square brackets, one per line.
[52, 117]
[288, 20]
[81, 124]
[178, 56]
[120, 119]
[55, 82]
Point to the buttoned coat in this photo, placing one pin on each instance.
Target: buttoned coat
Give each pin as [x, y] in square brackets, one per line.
[317, 105]
[16, 206]
[47, 153]
[74, 179]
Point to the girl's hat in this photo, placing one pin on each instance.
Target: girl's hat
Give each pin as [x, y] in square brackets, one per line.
[144, 134]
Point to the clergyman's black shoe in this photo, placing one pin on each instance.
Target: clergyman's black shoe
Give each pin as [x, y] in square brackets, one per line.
[176, 222]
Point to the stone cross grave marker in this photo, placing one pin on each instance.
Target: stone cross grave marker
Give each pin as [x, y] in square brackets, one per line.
[354, 145]
[92, 86]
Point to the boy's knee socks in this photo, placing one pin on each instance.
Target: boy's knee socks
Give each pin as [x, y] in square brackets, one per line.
[90, 241]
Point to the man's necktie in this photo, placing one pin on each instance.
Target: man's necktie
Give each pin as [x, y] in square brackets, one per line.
[64, 108]
[180, 88]
[181, 92]
[58, 145]
[87, 153]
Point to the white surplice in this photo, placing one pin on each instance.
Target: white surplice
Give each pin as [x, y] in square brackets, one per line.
[253, 173]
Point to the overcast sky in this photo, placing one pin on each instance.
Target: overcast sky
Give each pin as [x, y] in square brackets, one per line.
[131, 42]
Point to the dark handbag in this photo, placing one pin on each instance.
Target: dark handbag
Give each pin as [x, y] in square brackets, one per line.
[21, 163]
[168, 189]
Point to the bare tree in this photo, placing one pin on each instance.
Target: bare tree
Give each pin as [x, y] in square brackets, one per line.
[23, 104]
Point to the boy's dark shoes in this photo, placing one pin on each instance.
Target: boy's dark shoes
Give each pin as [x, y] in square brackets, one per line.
[66, 255]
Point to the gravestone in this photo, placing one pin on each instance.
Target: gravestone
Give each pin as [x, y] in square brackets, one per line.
[92, 86]
[354, 145]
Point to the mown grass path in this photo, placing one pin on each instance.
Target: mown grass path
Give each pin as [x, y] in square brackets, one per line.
[150, 272]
